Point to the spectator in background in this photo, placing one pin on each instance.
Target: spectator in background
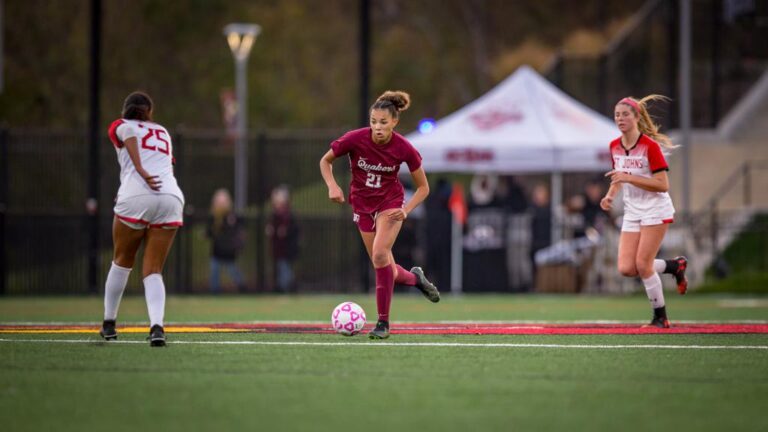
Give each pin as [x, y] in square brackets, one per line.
[283, 232]
[541, 222]
[512, 196]
[438, 233]
[407, 241]
[594, 216]
[573, 218]
[227, 240]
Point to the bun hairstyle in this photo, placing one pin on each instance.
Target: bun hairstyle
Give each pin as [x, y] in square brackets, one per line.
[137, 106]
[645, 123]
[393, 101]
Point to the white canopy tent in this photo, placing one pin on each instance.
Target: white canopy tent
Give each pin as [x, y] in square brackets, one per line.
[524, 125]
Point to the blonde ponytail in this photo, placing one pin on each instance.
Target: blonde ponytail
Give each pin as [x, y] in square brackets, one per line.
[645, 123]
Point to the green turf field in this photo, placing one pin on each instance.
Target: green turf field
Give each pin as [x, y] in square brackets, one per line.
[253, 381]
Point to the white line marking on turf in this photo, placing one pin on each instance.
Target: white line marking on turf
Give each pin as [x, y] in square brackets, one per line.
[309, 322]
[405, 344]
[743, 303]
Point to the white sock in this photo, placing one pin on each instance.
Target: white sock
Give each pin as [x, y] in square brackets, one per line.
[659, 265]
[154, 291]
[114, 287]
[654, 291]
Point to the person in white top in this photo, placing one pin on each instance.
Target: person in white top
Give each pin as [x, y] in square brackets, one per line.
[639, 168]
[148, 210]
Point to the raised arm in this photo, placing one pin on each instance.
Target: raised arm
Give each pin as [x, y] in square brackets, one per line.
[422, 190]
[658, 183]
[335, 193]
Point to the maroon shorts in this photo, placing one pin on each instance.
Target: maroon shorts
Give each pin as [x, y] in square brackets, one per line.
[366, 222]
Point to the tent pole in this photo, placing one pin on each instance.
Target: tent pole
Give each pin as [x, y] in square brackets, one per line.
[557, 198]
[457, 258]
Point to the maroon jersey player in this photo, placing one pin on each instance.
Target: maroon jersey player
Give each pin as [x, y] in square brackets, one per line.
[639, 168]
[377, 197]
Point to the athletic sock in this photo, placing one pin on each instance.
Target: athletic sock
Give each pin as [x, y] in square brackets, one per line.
[385, 285]
[660, 312]
[654, 290]
[114, 287]
[404, 277]
[154, 291]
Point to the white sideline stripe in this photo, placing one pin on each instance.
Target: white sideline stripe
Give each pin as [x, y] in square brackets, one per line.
[457, 322]
[406, 344]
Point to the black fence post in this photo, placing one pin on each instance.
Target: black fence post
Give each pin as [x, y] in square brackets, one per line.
[3, 205]
[177, 168]
[94, 164]
[717, 8]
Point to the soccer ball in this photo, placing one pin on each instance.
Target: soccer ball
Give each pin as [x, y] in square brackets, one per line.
[348, 318]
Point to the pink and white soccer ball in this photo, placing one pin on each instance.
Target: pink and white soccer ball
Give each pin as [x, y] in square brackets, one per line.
[348, 318]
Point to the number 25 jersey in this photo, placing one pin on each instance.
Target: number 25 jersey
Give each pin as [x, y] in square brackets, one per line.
[155, 152]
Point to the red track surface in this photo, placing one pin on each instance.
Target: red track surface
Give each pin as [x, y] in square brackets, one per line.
[435, 328]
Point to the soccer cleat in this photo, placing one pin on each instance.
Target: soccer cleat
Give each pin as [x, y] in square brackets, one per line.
[108, 331]
[381, 331]
[425, 286]
[659, 322]
[156, 336]
[682, 281]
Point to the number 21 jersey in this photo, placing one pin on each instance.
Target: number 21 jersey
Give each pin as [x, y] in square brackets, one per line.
[375, 168]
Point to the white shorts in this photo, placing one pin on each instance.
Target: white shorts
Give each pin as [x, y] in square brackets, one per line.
[151, 211]
[633, 225]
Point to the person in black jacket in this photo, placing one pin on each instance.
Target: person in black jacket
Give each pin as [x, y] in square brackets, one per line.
[283, 231]
[541, 222]
[227, 240]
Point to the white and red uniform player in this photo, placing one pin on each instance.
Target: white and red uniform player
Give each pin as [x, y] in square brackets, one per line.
[137, 205]
[642, 207]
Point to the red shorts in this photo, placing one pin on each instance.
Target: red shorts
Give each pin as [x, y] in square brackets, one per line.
[366, 222]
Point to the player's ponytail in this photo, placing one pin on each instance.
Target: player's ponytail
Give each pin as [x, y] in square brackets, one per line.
[645, 123]
[137, 106]
[393, 101]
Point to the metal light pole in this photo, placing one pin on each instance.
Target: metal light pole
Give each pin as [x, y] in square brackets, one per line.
[240, 38]
[685, 100]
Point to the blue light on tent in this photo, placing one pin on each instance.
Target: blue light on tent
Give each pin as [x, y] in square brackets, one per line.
[426, 125]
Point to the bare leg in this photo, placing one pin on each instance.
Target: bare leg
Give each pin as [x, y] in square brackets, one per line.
[158, 244]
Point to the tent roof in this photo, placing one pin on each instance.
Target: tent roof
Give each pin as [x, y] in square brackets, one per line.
[524, 124]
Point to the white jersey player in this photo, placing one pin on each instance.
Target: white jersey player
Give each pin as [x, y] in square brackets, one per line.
[148, 209]
[639, 168]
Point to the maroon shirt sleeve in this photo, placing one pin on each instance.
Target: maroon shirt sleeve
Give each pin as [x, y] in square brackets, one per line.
[342, 145]
[656, 161]
[412, 157]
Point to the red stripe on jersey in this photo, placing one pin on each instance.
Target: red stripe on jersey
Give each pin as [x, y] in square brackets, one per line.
[668, 221]
[113, 133]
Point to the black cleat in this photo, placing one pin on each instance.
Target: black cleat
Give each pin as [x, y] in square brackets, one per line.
[659, 322]
[425, 286]
[156, 336]
[682, 281]
[108, 330]
[381, 331]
